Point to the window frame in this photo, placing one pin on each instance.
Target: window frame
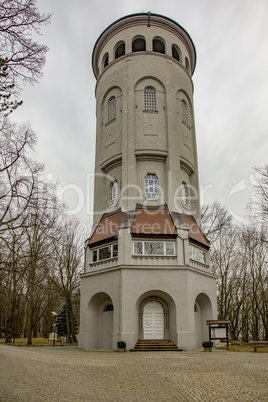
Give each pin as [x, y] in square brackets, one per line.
[113, 252]
[143, 248]
[154, 185]
[149, 99]
[194, 257]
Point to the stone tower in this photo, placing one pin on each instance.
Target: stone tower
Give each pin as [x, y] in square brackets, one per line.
[147, 265]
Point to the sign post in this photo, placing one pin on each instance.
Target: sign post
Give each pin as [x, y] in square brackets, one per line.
[218, 329]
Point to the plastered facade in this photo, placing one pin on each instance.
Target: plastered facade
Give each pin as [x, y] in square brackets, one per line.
[137, 143]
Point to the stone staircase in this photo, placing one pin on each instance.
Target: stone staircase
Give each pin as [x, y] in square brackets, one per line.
[155, 345]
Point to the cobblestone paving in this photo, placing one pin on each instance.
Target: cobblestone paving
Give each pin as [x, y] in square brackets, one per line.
[70, 374]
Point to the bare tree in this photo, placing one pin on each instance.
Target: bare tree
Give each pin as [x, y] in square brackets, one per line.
[18, 173]
[258, 206]
[41, 224]
[65, 274]
[21, 58]
[215, 219]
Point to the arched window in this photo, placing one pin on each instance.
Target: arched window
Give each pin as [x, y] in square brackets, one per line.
[138, 45]
[151, 186]
[111, 109]
[120, 50]
[158, 46]
[149, 99]
[184, 193]
[109, 307]
[114, 192]
[187, 64]
[184, 112]
[175, 53]
[105, 60]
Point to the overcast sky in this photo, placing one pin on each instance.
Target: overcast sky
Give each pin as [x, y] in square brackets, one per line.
[230, 99]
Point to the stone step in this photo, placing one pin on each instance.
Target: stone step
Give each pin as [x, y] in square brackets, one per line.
[153, 345]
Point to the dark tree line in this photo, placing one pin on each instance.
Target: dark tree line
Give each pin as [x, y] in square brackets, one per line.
[40, 254]
[240, 261]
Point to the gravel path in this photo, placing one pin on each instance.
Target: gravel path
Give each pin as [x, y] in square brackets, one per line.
[70, 374]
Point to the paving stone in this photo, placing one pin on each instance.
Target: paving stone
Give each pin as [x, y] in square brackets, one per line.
[69, 374]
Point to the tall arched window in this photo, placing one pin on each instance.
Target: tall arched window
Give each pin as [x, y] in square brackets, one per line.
[149, 99]
[184, 193]
[151, 186]
[111, 109]
[138, 45]
[120, 50]
[184, 112]
[114, 192]
[158, 46]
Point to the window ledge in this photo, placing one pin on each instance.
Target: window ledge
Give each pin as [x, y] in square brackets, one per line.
[151, 111]
[153, 256]
[103, 261]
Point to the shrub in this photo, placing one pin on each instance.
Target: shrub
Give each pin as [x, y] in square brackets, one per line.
[207, 344]
[121, 344]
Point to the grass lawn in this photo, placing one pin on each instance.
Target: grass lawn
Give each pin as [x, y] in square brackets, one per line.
[236, 346]
[35, 342]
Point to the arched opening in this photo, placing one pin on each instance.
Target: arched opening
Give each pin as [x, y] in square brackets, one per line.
[176, 53]
[120, 50]
[203, 312]
[139, 45]
[105, 60]
[153, 318]
[100, 322]
[158, 46]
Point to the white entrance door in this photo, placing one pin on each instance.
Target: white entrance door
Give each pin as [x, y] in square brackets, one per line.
[153, 321]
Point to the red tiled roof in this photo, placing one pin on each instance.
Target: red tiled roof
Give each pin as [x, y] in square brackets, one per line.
[106, 228]
[153, 222]
[144, 221]
[188, 223]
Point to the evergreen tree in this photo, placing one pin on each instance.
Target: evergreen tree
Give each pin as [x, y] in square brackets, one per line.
[61, 323]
